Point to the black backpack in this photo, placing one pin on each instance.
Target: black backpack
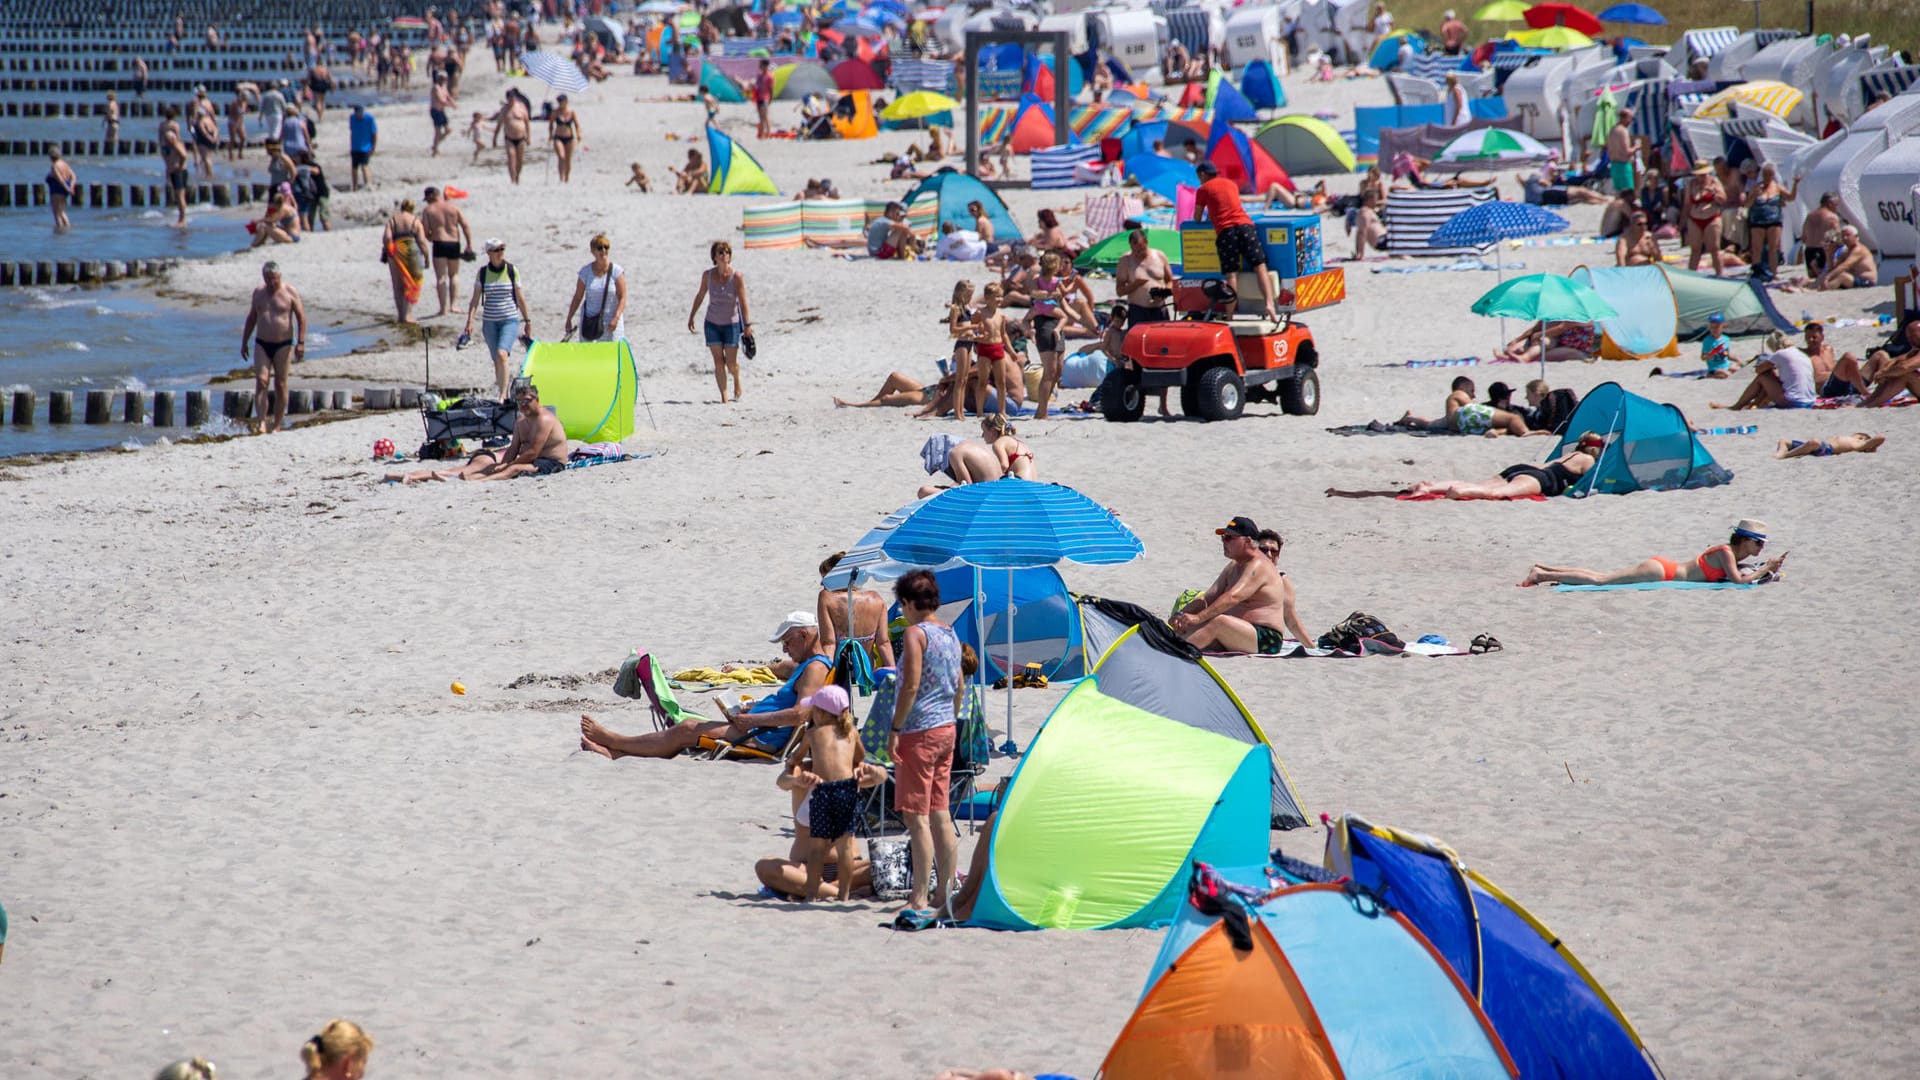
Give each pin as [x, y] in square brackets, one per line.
[1349, 634]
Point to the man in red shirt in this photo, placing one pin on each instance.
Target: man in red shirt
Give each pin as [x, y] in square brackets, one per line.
[762, 97]
[1234, 235]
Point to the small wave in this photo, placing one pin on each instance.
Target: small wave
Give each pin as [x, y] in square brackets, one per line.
[315, 337]
[131, 382]
[70, 346]
[132, 444]
[221, 425]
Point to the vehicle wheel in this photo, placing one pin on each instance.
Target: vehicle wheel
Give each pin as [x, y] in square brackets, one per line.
[1121, 399]
[1300, 396]
[1222, 396]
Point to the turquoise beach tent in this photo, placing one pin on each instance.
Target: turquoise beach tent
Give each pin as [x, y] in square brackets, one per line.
[734, 171]
[953, 190]
[1106, 811]
[1551, 1013]
[1650, 446]
[1045, 627]
[1321, 982]
[1261, 86]
[720, 85]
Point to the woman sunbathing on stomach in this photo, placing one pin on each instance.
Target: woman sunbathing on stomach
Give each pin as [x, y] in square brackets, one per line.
[1520, 481]
[1716, 564]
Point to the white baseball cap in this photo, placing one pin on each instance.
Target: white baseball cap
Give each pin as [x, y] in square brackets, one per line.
[795, 620]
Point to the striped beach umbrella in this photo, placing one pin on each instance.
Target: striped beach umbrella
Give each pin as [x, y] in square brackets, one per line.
[1775, 97]
[1493, 148]
[558, 72]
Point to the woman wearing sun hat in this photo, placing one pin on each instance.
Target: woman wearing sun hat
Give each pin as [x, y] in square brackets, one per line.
[1717, 564]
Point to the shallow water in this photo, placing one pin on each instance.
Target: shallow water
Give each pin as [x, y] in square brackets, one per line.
[120, 339]
[28, 236]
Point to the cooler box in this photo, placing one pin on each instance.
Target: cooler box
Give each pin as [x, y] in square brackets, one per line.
[1292, 241]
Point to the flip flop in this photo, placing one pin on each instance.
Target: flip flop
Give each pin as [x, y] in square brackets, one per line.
[1485, 643]
[911, 919]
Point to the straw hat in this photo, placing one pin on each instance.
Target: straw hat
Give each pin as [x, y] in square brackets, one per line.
[1752, 527]
[1702, 168]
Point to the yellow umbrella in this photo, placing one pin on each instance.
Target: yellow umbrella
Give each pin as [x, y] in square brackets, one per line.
[1502, 11]
[1775, 97]
[918, 104]
[1552, 37]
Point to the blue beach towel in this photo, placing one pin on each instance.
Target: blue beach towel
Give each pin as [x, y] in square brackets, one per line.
[1649, 586]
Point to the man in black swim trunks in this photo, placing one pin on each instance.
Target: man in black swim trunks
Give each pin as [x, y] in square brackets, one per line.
[446, 228]
[539, 444]
[1244, 608]
[280, 321]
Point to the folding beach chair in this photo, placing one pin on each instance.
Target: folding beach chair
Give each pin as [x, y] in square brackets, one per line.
[641, 676]
[971, 747]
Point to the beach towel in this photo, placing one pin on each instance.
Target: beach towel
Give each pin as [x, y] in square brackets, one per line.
[591, 460]
[1433, 496]
[1294, 650]
[1458, 361]
[1383, 427]
[710, 677]
[934, 452]
[1648, 586]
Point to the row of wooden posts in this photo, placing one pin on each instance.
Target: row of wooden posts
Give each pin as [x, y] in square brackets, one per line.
[113, 196]
[99, 406]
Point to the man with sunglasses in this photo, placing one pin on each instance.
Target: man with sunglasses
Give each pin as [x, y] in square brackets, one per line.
[1244, 608]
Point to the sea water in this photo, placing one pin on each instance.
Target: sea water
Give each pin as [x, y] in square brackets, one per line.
[120, 338]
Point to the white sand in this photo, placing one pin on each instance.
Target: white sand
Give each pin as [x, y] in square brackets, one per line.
[239, 798]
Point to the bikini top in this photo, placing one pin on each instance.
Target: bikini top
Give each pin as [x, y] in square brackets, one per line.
[1709, 570]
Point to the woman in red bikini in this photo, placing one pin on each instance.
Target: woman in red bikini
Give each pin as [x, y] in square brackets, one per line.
[1016, 457]
[1716, 564]
[1703, 200]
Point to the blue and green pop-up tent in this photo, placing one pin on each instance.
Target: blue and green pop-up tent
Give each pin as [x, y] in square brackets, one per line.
[1650, 446]
[734, 171]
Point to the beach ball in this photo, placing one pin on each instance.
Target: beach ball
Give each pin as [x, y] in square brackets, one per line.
[383, 448]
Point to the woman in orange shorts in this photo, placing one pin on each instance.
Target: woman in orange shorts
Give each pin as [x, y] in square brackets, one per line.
[1716, 564]
[924, 725]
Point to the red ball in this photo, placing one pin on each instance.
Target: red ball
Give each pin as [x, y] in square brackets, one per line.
[383, 448]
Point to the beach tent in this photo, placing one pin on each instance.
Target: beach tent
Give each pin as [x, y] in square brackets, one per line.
[1650, 446]
[1244, 161]
[1549, 1011]
[1229, 105]
[1648, 322]
[1745, 303]
[1140, 138]
[1386, 55]
[856, 75]
[1261, 86]
[1106, 811]
[1306, 146]
[1105, 255]
[589, 385]
[735, 172]
[791, 82]
[948, 192]
[1322, 983]
[1033, 126]
[1144, 665]
[1045, 627]
[1162, 175]
[853, 116]
[721, 85]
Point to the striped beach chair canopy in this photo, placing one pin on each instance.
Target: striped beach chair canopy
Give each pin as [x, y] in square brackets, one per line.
[1774, 97]
[1434, 66]
[745, 46]
[1412, 216]
[1054, 167]
[1889, 81]
[1703, 43]
[1650, 104]
[906, 76]
[1192, 28]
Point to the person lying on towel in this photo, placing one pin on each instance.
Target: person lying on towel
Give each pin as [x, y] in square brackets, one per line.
[1523, 481]
[1716, 564]
[539, 443]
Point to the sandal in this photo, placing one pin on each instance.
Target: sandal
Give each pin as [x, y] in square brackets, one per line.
[1485, 643]
[911, 919]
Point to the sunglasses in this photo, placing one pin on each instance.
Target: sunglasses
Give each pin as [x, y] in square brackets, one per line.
[599, 247]
[1274, 551]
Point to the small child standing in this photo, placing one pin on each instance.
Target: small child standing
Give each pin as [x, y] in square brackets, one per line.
[990, 344]
[639, 179]
[1716, 349]
[474, 132]
[834, 791]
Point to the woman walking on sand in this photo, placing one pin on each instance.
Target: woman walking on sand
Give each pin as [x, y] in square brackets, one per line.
[600, 295]
[403, 247]
[563, 130]
[728, 323]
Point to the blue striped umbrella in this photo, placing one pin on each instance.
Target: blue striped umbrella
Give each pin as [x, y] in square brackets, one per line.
[559, 72]
[1011, 524]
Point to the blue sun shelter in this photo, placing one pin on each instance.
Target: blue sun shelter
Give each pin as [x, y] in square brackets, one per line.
[734, 171]
[1650, 446]
[1261, 86]
[951, 191]
[1044, 623]
[1552, 1015]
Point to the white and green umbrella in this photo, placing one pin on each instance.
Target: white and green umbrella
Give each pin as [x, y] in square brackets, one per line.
[1495, 148]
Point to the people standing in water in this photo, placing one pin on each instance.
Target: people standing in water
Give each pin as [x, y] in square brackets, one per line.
[61, 184]
[724, 290]
[563, 130]
[112, 121]
[277, 326]
[1717, 564]
[237, 126]
[173, 154]
[403, 247]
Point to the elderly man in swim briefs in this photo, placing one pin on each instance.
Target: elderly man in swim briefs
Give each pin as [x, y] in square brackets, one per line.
[446, 227]
[1244, 608]
[798, 634]
[539, 443]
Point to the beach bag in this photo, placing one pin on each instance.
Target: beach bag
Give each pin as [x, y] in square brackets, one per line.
[1349, 634]
[592, 326]
[891, 859]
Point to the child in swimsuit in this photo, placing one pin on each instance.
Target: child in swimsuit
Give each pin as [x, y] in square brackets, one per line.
[833, 750]
[990, 344]
[960, 329]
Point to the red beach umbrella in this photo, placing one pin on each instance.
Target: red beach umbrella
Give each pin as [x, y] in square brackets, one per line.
[1540, 16]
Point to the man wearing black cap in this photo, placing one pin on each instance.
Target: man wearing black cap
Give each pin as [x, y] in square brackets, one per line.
[1244, 608]
[1234, 235]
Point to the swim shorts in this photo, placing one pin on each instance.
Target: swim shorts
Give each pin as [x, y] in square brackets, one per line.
[1046, 333]
[357, 158]
[922, 769]
[1239, 248]
[446, 249]
[1268, 641]
[179, 179]
[1139, 313]
[548, 466]
[1622, 174]
[439, 117]
[830, 808]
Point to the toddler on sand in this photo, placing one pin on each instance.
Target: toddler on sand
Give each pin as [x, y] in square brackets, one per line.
[474, 132]
[832, 783]
[639, 178]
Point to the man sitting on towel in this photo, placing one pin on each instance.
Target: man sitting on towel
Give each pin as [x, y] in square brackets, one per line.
[539, 443]
[1244, 608]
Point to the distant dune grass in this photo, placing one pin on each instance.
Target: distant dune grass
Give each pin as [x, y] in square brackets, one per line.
[1891, 22]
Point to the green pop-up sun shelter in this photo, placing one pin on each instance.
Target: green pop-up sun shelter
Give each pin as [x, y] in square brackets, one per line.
[1106, 254]
[1108, 809]
[590, 385]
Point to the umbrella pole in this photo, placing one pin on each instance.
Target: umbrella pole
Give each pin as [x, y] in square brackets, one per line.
[1543, 348]
[1010, 747]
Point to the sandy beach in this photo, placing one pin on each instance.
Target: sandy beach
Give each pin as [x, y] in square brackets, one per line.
[239, 798]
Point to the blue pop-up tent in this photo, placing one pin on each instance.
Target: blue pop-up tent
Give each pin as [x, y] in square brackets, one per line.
[1650, 446]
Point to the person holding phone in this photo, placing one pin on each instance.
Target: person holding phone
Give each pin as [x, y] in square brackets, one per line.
[1720, 563]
